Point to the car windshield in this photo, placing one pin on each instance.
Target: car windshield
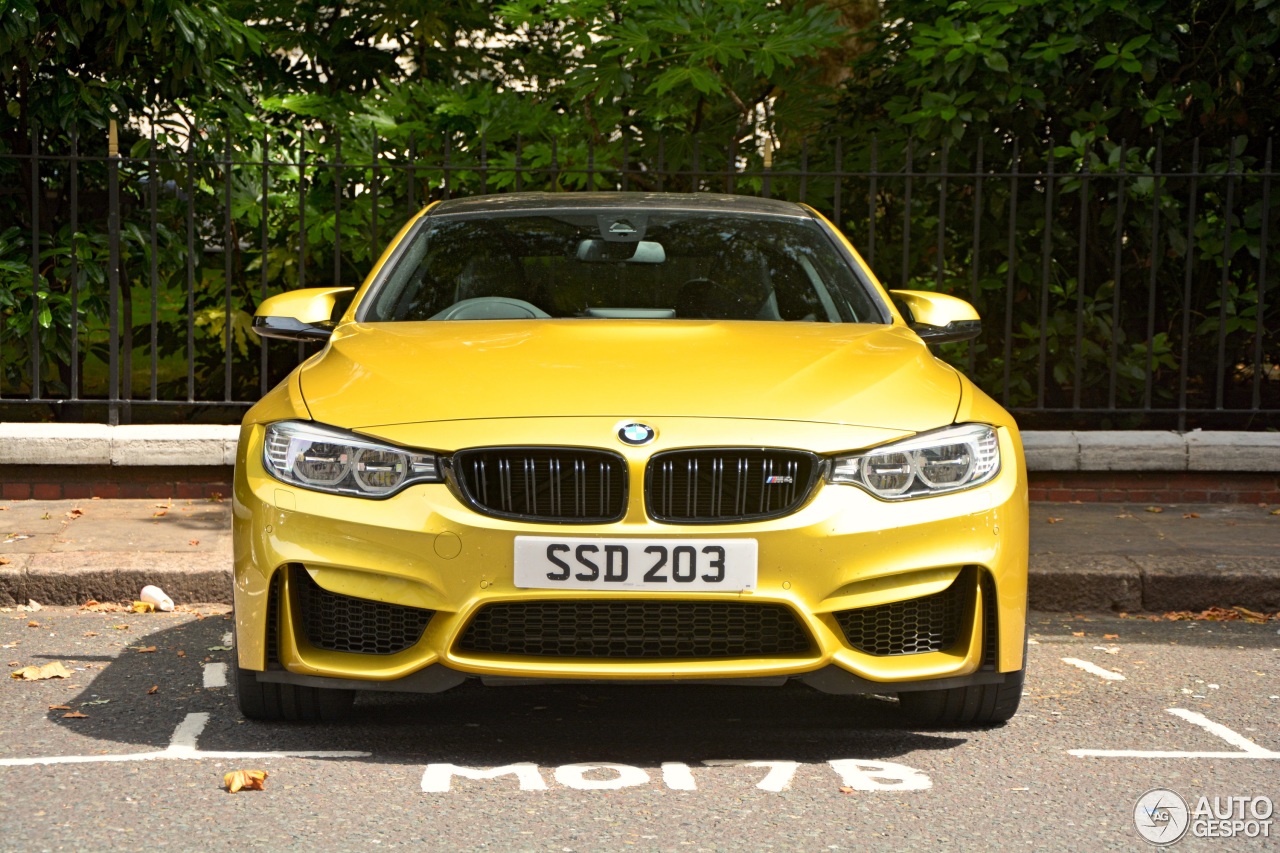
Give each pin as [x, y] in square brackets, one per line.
[646, 264]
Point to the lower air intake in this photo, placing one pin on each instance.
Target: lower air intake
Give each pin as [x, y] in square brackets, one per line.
[340, 623]
[635, 630]
[915, 626]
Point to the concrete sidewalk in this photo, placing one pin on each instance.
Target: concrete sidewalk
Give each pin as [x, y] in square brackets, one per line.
[1101, 556]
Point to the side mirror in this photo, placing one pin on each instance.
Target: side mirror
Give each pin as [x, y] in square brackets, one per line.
[938, 318]
[299, 315]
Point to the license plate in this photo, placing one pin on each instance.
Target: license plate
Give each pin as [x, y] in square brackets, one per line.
[656, 565]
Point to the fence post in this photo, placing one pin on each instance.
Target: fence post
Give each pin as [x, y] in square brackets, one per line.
[113, 273]
[35, 262]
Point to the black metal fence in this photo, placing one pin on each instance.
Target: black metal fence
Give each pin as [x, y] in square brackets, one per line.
[1132, 292]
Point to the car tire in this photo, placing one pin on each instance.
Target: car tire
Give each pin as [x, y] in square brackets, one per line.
[271, 701]
[978, 704]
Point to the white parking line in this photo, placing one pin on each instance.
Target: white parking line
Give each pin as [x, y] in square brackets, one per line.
[181, 746]
[1233, 738]
[215, 675]
[1094, 669]
[226, 639]
[1249, 749]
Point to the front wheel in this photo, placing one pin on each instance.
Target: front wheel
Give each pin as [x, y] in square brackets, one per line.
[978, 704]
[273, 702]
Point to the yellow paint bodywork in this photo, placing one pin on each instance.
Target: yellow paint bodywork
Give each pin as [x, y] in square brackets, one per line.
[445, 386]
[935, 309]
[310, 305]
[424, 548]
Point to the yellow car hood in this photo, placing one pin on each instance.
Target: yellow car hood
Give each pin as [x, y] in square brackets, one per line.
[377, 374]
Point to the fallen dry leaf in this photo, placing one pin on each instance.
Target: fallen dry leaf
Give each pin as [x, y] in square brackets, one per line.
[75, 513]
[1053, 520]
[1155, 509]
[59, 707]
[1191, 515]
[1275, 512]
[845, 789]
[1077, 633]
[33, 624]
[244, 780]
[153, 690]
[160, 513]
[40, 673]
[4, 561]
[143, 607]
[1110, 636]
[181, 653]
[143, 650]
[75, 715]
[95, 606]
[194, 542]
[90, 633]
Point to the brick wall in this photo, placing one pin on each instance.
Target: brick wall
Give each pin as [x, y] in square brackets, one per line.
[1155, 486]
[75, 482]
[54, 482]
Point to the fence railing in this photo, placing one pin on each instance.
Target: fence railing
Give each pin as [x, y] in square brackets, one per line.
[1135, 292]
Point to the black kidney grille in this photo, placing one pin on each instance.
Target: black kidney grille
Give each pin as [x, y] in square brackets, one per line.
[635, 629]
[339, 623]
[728, 485]
[928, 624]
[569, 484]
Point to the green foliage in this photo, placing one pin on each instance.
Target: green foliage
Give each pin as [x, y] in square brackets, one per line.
[359, 113]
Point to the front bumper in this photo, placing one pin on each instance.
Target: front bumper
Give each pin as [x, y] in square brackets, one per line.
[424, 562]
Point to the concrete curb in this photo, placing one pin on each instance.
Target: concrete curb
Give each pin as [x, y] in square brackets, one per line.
[1151, 450]
[73, 578]
[99, 444]
[1136, 584]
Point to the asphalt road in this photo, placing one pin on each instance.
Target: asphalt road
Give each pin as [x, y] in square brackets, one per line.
[685, 768]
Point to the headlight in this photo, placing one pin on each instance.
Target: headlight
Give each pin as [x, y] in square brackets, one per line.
[331, 460]
[934, 463]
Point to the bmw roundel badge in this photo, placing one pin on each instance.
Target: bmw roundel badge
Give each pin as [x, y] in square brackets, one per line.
[635, 434]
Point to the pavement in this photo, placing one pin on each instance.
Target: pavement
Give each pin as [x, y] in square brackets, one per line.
[1084, 557]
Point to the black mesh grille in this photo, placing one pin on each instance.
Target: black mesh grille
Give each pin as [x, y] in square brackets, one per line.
[635, 629]
[727, 485]
[273, 618]
[555, 484]
[990, 623]
[928, 624]
[339, 623]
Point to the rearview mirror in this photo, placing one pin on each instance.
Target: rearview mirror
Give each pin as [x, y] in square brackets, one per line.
[606, 251]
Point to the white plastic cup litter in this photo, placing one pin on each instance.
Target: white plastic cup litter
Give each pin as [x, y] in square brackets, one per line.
[155, 595]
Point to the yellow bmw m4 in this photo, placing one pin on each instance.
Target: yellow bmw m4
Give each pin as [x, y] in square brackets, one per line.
[635, 438]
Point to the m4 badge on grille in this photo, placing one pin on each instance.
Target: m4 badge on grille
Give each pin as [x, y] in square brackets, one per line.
[777, 479]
